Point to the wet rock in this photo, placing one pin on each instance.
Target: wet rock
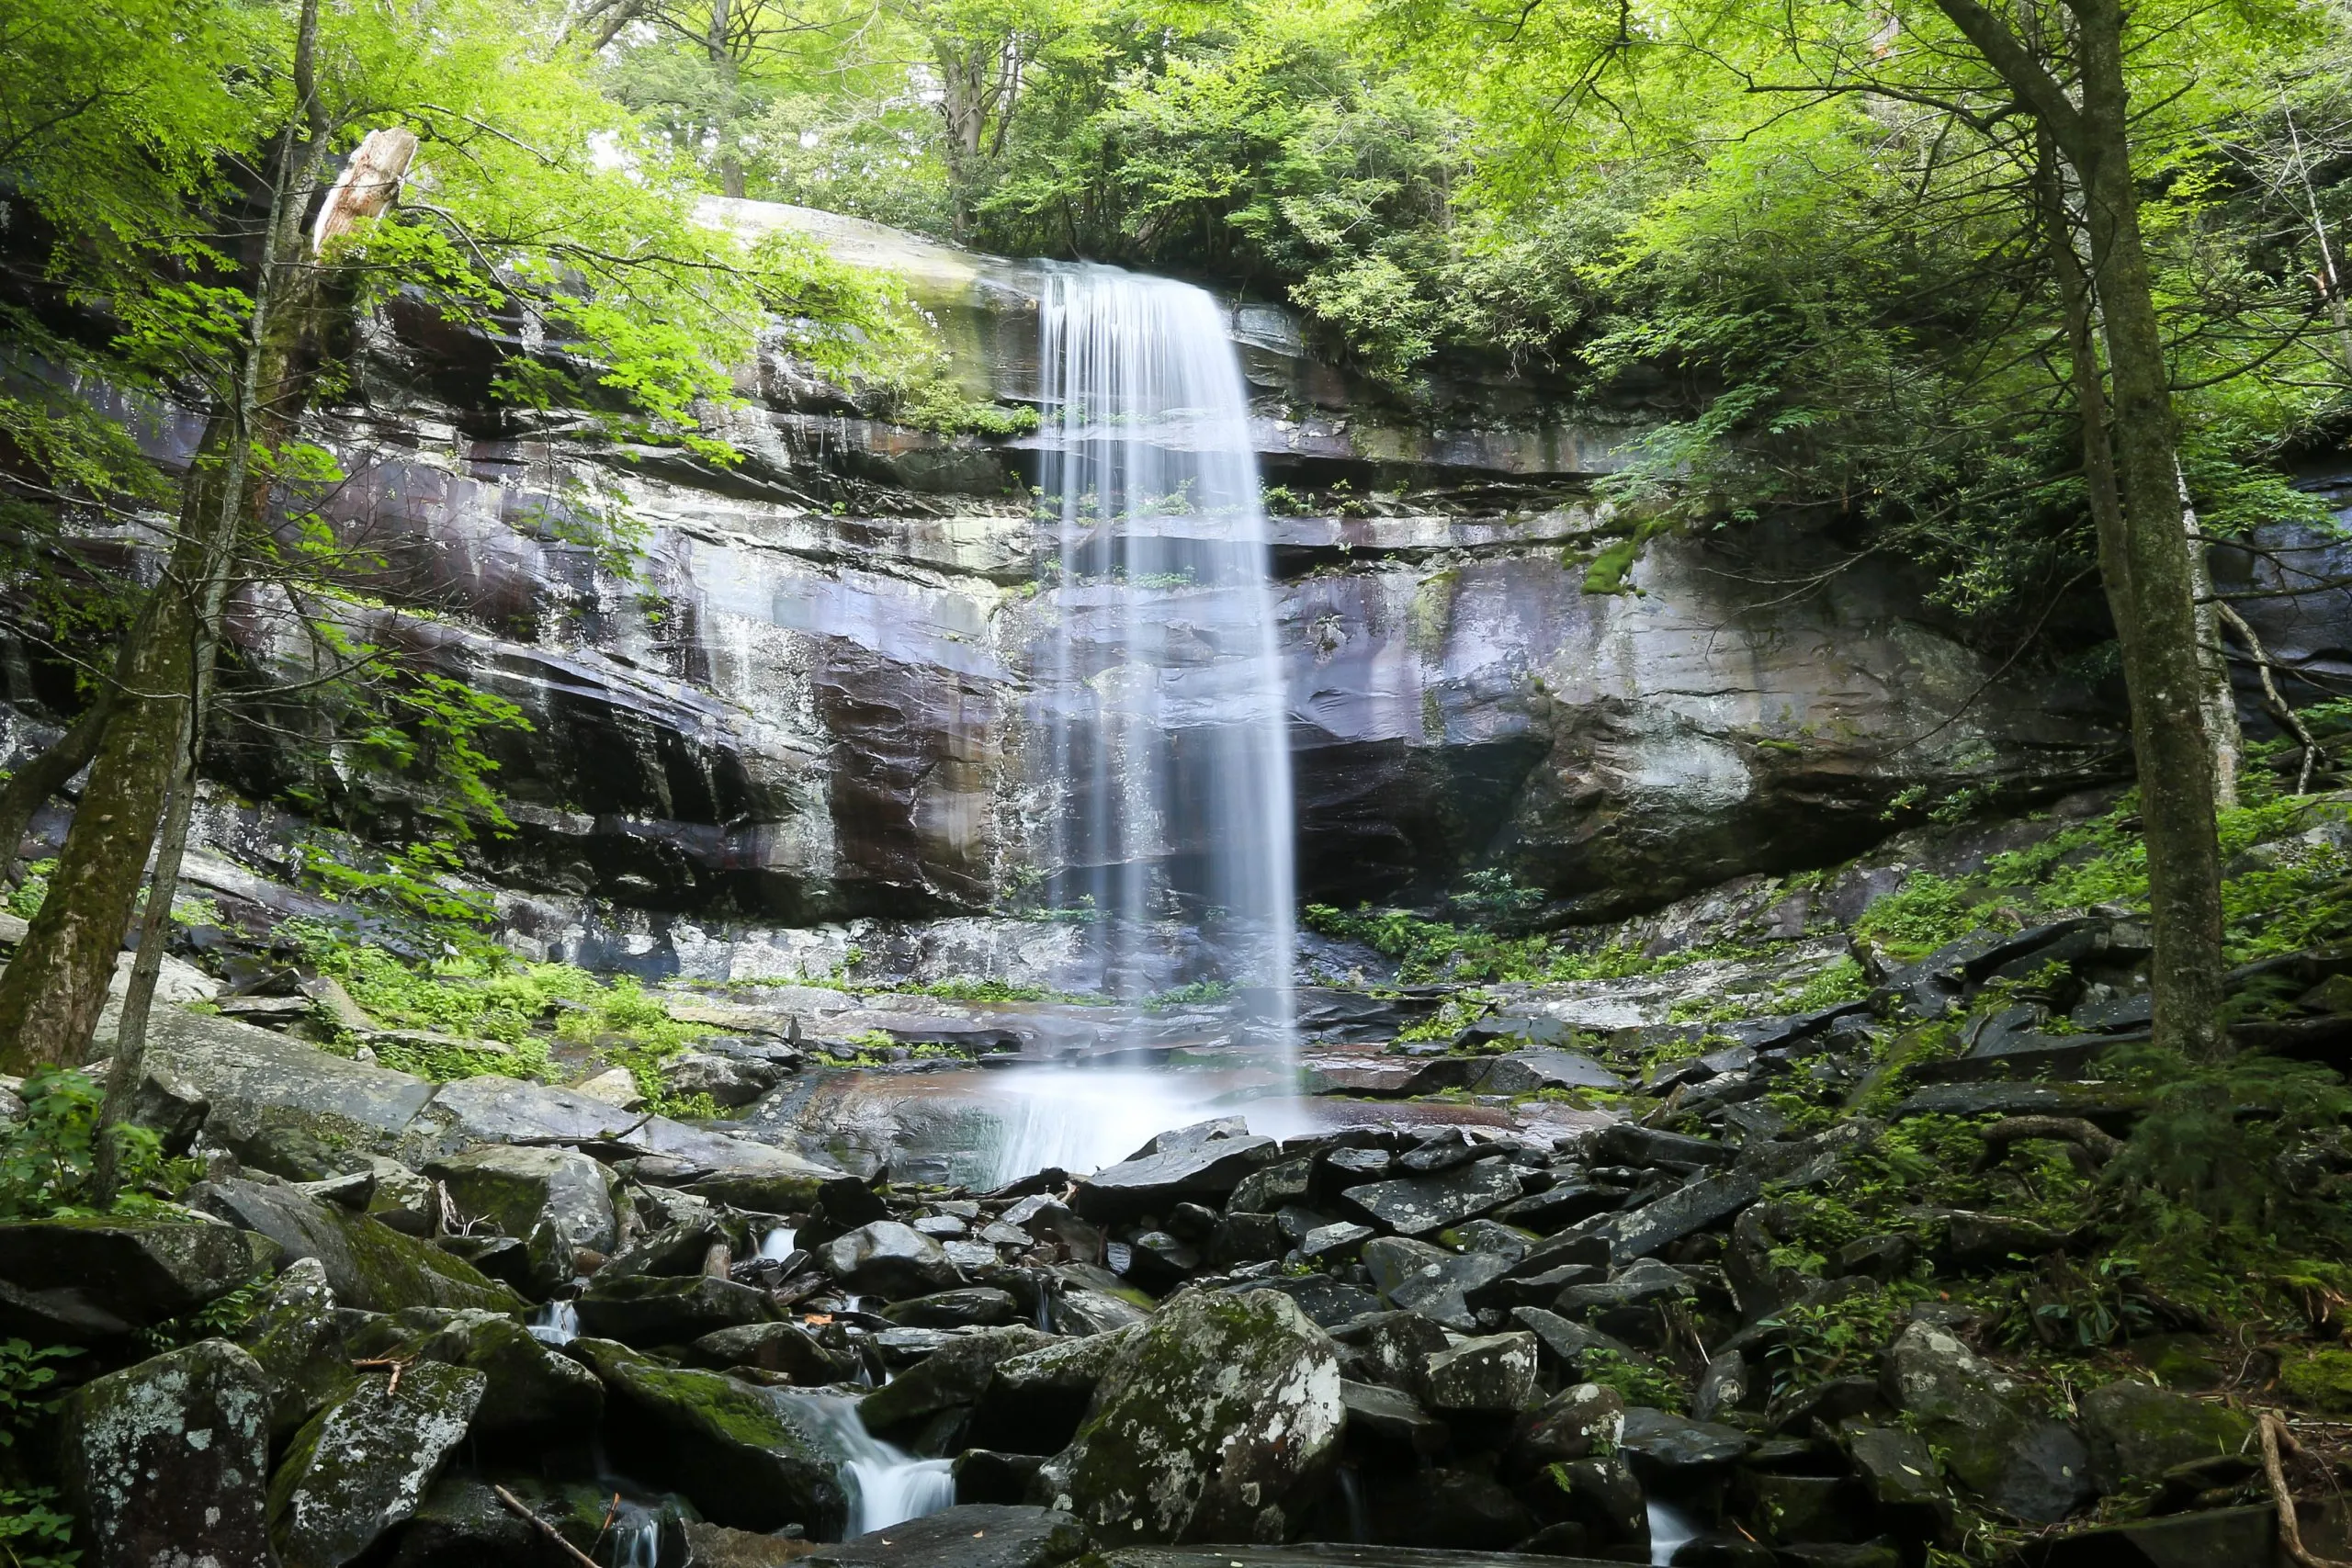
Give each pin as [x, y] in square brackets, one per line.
[78, 1279]
[676, 1249]
[1341, 1240]
[1665, 1445]
[364, 1463]
[1825, 1404]
[1219, 1421]
[746, 1457]
[1638, 1285]
[1628, 1143]
[1995, 1442]
[1688, 1208]
[1493, 1375]
[1274, 1188]
[1034, 1401]
[888, 1259]
[1416, 1277]
[1415, 1205]
[980, 1307]
[665, 1309]
[556, 1202]
[170, 1453]
[1084, 1310]
[1599, 1494]
[297, 1339]
[461, 1524]
[530, 1388]
[1355, 1166]
[970, 1535]
[1153, 1185]
[792, 1349]
[2137, 1431]
[1723, 1386]
[369, 1264]
[1393, 1416]
[1444, 1148]
[730, 1081]
[954, 1374]
[1810, 1510]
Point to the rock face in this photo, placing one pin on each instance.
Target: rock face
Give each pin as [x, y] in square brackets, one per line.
[1217, 1422]
[169, 1455]
[364, 1462]
[76, 1280]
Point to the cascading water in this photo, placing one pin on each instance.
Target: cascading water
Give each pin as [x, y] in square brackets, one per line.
[1160, 685]
[886, 1485]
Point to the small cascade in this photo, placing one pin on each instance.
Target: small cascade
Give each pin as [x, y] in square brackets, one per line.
[1082, 1119]
[886, 1485]
[1158, 683]
[778, 1244]
[636, 1540]
[1671, 1530]
[557, 1323]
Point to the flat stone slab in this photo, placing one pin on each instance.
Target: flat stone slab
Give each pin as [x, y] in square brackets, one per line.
[1415, 1205]
[1316, 1554]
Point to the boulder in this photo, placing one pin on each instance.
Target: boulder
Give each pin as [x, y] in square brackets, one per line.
[982, 1306]
[364, 1463]
[668, 1309]
[369, 1264]
[1451, 1511]
[1391, 1346]
[1900, 1474]
[730, 1081]
[970, 1535]
[1691, 1207]
[1417, 1205]
[1274, 1188]
[1328, 1302]
[1413, 1276]
[1494, 1375]
[532, 1388]
[746, 1457]
[1664, 1445]
[1570, 1342]
[1576, 1423]
[888, 1259]
[296, 1337]
[1392, 1415]
[986, 1475]
[83, 1279]
[1995, 1438]
[1034, 1401]
[169, 1454]
[401, 1198]
[461, 1524]
[716, 1546]
[556, 1202]
[1529, 1072]
[1204, 1172]
[954, 1374]
[1219, 1421]
[676, 1249]
[2136, 1431]
[1245, 1238]
[792, 1349]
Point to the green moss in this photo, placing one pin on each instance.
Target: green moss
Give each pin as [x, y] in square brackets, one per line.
[2319, 1380]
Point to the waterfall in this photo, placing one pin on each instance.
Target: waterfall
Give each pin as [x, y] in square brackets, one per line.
[1162, 711]
[886, 1485]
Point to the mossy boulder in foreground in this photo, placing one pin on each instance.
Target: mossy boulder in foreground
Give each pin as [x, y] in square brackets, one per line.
[169, 1453]
[1219, 1421]
[365, 1463]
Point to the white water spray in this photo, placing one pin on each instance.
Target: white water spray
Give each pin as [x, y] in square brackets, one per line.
[1159, 686]
[886, 1485]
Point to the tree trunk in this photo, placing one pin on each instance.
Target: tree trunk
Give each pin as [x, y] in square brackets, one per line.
[2156, 612]
[722, 65]
[51, 994]
[2217, 698]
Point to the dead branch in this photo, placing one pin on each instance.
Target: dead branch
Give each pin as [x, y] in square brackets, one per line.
[514, 1505]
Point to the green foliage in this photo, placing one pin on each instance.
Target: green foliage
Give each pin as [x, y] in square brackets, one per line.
[1834, 1340]
[1431, 952]
[46, 1158]
[25, 898]
[2319, 1380]
[34, 1533]
[1651, 1386]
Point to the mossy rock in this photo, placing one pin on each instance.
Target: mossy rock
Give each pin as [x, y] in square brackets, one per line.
[742, 1454]
[170, 1453]
[533, 1391]
[1219, 1421]
[85, 1278]
[365, 1463]
[370, 1265]
[2319, 1380]
[298, 1338]
[2137, 1431]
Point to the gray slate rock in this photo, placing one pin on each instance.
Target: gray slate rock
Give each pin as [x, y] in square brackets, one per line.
[1414, 1276]
[531, 1389]
[970, 1535]
[2137, 1431]
[730, 1081]
[792, 1349]
[1418, 1205]
[1570, 1342]
[296, 1337]
[364, 1463]
[169, 1453]
[1394, 1417]
[1206, 1172]
[1034, 1401]
[888, 1259]
[1220, 1421]
[1669, 1444]
[980, 1307]
[1327, 1302]
[1529, 1072]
